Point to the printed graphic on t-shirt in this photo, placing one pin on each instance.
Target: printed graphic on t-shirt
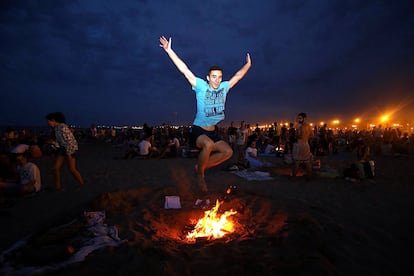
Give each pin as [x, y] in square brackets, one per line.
[24, 173]
[214, 102]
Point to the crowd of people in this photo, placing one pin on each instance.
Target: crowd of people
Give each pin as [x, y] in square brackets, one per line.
[19, 175]
[297, 143]
[214, 145]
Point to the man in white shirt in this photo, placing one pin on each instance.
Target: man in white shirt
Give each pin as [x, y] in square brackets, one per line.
[145, 147]
[28, 179]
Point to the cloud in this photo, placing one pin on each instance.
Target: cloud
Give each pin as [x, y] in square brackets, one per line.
[103, 58]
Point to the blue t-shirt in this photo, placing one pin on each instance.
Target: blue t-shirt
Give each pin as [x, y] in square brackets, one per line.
[210, 102]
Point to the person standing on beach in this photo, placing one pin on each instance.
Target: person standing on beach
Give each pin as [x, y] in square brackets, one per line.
[68, 147]
[301, 153]
[211, 98]
[242, 134]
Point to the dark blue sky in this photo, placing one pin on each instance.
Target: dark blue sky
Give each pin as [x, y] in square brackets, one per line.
[100, 61]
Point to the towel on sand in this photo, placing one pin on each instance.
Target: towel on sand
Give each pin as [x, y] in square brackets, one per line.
[92, 236]
[253, 175]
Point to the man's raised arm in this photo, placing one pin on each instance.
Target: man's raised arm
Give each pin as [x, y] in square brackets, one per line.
[181, 66]
[240, 74]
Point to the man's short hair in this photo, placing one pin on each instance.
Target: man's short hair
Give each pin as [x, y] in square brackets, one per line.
[214, 68]
[302, 114]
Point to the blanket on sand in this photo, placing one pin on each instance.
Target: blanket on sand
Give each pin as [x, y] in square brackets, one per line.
[253, 175]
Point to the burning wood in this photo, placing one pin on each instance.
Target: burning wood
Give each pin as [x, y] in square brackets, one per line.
[212, 225]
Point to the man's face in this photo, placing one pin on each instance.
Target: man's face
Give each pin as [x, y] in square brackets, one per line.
[214, 78]
[300, 119]
[20, 158]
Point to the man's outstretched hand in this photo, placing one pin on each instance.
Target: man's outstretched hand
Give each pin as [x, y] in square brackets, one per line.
[248, 59]
[165, 43]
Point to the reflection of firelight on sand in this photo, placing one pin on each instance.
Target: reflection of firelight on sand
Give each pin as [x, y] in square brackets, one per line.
[213, 225]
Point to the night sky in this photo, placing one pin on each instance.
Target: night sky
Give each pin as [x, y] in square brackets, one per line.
[99, 62]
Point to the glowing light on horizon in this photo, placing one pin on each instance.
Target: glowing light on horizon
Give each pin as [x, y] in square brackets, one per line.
[385, 118]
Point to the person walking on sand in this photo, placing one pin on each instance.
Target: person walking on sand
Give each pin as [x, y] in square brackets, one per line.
[211, 97]
[68, 147]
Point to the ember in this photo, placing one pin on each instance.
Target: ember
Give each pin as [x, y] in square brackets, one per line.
[212, 225]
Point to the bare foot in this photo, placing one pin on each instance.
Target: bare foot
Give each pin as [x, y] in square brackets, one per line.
[202, 184]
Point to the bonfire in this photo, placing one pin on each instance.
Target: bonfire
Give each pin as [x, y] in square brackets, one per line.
[213, 225]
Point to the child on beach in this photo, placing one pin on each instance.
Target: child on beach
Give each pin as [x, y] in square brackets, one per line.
[251, 156]
[68, 147]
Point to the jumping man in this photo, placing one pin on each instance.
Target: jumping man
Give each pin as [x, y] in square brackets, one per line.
[211, 99]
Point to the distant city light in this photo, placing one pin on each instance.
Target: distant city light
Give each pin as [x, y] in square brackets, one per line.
[385, 118]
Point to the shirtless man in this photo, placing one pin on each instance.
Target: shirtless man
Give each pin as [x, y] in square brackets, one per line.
[301, 149]
[211, 98]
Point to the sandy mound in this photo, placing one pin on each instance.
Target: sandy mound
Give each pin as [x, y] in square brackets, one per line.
[267, 239]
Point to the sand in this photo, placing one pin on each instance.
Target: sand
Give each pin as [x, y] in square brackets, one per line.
[326, 226]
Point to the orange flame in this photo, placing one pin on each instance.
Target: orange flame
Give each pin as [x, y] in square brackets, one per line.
[212, 225]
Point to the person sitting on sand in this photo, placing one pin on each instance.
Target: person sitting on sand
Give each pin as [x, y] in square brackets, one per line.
[27, 180]
[171, 149]
[364, 158]
[145, 148]
[252, 158]
[133, 149]
[268, 148]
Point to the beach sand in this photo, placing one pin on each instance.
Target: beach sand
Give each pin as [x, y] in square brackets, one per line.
[326, 226]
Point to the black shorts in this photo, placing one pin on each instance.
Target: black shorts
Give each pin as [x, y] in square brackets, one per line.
[62, 152]
[197, 131]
